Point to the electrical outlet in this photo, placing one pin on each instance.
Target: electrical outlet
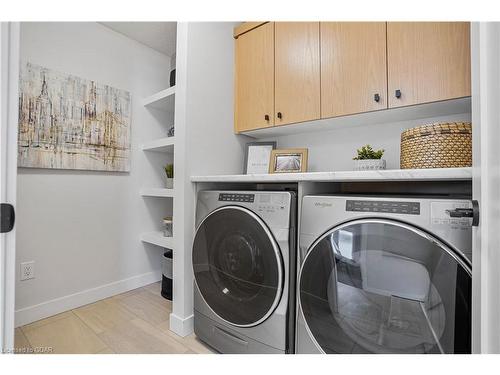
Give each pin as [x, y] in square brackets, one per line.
[27, 270]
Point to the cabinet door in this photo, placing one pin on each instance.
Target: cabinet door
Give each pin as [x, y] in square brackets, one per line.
[427, 61]
[254, 79]
[297, 73]
[353, 67]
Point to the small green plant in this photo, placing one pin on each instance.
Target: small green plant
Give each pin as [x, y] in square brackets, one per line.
[367, 152]
[169, 170]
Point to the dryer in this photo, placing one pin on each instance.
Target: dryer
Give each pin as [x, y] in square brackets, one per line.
[244, 262]
[384, 275]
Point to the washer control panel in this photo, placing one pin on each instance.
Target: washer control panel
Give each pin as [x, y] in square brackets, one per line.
[235, 197]
[394, 207]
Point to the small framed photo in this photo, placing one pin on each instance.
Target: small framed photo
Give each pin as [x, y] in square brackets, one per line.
[257, 157]
[292, 160]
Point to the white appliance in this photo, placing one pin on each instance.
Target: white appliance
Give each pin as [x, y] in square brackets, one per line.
[244, 267]
[384, 275]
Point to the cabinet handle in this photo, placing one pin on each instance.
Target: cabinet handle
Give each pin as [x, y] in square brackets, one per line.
[280, 115]
[266, 117]
[398, 93]
[376, 97]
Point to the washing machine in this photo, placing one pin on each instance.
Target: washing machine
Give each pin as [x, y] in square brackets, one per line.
[384, 275]
[244, 262]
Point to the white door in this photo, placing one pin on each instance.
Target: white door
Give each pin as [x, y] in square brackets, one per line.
[9, 77]
[485, 43]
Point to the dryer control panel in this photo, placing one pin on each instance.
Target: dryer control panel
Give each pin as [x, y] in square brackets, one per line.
[235, 197]
[393, 207]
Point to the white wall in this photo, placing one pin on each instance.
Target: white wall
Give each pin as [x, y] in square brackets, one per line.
[214, 148]
[333, 150]
[82, 228]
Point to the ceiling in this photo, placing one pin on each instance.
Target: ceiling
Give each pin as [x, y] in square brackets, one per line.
[160, 36]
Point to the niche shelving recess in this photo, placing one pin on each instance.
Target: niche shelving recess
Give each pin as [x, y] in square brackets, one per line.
[162, 101]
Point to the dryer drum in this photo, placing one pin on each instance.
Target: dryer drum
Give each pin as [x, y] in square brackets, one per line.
[381, 286]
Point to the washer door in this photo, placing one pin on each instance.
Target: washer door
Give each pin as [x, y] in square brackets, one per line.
[237, 266]
[381, 286]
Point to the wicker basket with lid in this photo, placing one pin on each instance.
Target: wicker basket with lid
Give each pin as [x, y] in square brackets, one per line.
[440, 145]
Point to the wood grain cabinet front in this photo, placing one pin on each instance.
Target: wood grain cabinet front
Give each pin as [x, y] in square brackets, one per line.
[291, 72]
[427, 62]
[254, 79]
[353, 68]
[297, 72]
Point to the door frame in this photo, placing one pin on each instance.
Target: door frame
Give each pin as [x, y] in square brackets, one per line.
[9, 86]
[485, 51]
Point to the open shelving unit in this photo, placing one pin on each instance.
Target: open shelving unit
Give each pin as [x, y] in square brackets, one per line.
[157, 238]
[157, 192]
[160, 145]
[164, 101]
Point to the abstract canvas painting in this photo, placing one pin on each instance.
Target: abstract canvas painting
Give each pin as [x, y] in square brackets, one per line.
[68, 122]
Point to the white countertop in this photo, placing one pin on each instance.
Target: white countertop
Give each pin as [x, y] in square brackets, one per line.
[436, 174]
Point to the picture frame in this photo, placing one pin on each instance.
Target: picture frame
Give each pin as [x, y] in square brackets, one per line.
[257, 157]
[290, 160]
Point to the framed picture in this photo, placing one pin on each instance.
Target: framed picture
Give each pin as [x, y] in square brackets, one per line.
[292, 160]
[257, 157]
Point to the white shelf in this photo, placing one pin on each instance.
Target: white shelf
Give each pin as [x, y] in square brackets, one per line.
[421, 111]
[163, 100]
[160, 145]
[157, 192]
[437, 174]
[158, 239]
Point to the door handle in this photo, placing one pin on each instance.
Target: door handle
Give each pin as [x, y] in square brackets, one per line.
[475, 213]
[467, 212]
[461, 212]
[7, 217]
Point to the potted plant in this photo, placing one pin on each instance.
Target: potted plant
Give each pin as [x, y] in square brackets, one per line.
[169, 171]
[369, 159]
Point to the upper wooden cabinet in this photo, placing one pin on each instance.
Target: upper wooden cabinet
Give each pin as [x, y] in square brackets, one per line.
[297, 72]
[289, 72]
[353, 67]
[254, 79]
[427, 61]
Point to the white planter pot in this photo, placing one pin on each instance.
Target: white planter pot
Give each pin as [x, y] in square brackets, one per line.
[369, 164]
[170, 183]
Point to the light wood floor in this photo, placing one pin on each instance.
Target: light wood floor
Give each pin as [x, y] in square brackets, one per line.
[132, 322]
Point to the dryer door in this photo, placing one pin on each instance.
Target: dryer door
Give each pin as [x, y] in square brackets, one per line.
[381, 286]
[237, 266]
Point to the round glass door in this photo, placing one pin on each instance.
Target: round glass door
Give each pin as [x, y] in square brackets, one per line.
[380, 286]
[237, 266]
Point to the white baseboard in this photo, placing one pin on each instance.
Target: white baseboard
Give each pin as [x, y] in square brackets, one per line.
[44, 310]
[182, 327]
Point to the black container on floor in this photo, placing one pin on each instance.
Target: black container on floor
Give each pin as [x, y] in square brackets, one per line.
[166, 280]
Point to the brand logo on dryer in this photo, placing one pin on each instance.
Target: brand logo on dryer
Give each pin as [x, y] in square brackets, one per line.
[323, 204]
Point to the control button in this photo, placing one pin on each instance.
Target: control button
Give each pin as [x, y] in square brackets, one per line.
[407, 208]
